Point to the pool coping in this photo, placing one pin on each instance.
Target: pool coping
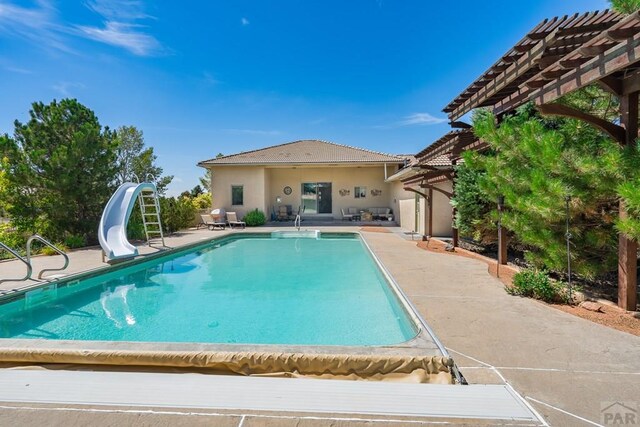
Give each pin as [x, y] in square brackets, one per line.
[423, 350]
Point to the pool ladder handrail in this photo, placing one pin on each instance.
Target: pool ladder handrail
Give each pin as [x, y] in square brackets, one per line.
[22, 259]
[298, 221]
[41, 239]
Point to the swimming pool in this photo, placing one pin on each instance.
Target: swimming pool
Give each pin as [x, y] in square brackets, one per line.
[306, 304]
[245, 289]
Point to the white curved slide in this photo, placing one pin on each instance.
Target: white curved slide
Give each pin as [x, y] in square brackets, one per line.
[112, 232]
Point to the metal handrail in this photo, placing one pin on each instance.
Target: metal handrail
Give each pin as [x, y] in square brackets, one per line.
[25, 261]
[48, 243]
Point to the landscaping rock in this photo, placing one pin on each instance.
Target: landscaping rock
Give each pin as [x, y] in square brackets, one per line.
[591, 306]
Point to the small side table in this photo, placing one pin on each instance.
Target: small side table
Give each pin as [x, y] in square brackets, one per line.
[367, 216]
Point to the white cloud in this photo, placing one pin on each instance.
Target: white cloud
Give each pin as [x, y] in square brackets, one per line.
[254, 131]
[65, 88]
[119, 10]
[37, 24]
[421, 119]
[209, 79]
[124, 35]
[18, 70]
[244, 21]
[41, 25]
[121, 27]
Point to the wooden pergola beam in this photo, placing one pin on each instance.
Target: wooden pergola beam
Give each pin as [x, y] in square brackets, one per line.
[439, 190]
[617, 58]
[616, 132]
[418, 192]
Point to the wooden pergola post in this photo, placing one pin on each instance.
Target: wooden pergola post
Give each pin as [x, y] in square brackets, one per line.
[628, 248]
[502, 236]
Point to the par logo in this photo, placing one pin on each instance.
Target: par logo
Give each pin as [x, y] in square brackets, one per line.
[619, 414]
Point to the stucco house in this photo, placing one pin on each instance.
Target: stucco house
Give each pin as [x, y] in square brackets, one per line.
[322, 177]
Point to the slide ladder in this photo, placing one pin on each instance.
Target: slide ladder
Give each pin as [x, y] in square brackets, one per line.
[150, 210]
[112, 232]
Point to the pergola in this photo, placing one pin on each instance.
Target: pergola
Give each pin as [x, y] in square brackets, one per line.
[557, 57]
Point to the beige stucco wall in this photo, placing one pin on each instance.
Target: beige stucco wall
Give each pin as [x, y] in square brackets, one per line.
[262, 186]
[340, 177]
[252, 178]
[405, 203]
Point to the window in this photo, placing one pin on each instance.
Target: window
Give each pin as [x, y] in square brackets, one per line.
[237, 195]
[360, 192]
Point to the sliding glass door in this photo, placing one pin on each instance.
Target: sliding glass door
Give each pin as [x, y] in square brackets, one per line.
[316, 197]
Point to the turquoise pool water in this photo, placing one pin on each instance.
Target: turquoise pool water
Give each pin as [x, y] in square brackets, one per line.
[246, 290]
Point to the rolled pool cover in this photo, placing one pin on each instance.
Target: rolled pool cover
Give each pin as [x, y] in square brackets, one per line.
[416, 369]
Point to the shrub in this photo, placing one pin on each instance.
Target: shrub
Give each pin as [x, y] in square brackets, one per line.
[255, 218]
[48, 251]
[73, 241]
[202, 201]
[13, 238]
[176, 213]
[135, 228]
[536, 284]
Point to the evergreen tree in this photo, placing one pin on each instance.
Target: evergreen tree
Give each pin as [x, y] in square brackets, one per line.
[59, 170]
[625, 6]
[539, 162]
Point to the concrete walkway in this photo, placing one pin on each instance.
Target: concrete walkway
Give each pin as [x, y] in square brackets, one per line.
[568, 368]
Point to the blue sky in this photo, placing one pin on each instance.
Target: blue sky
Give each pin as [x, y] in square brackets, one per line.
[228, 76]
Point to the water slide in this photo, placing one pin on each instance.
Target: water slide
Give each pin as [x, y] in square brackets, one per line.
[112, 232]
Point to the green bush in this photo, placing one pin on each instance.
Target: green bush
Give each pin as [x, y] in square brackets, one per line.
[255, 218]
[536, 284]
[48, 251]
[176, 213]
[73, 241]
[135, 228]
[16, 240]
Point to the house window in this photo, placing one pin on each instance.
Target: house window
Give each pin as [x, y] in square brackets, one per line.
[237, 195]
[360, 192]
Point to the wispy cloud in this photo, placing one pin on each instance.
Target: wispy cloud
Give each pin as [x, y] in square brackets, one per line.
[209, 79]
[119, 10]
[41, 24]
[244, 21]
[18, 70]
[421, 119]
[66, 88]
[415, 119]
[254, 131]
[121, 27]
[127, 36]
[37, 24]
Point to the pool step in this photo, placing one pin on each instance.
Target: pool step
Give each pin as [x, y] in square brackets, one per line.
[295, 234]
[475, 404]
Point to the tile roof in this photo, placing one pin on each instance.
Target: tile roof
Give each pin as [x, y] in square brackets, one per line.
[306, 151]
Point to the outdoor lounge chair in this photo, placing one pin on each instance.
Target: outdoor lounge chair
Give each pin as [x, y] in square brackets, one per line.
[346, 216]
[232, 219]
[208, 221]
[283, 215]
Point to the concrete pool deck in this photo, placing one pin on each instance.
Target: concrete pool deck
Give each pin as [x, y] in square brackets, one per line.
[565, 367]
